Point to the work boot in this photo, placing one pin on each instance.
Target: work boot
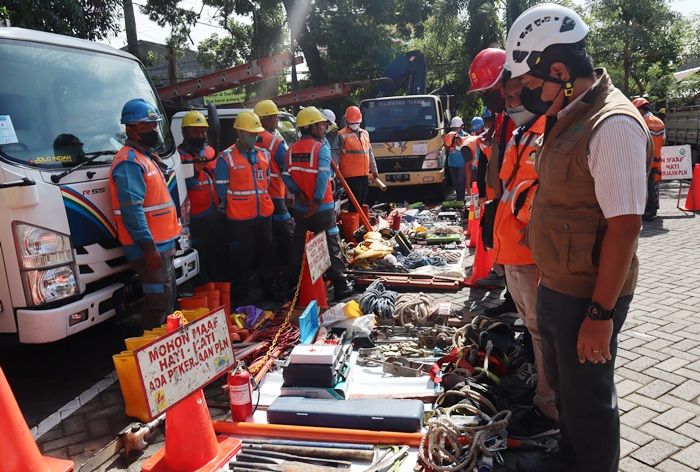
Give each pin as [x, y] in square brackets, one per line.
[508, 306]
[532, 424]
[552, 462]
[492, 280]
[342, 289]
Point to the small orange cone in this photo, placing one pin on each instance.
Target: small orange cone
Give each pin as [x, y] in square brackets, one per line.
[308, 291]
[18, 450]
[190, 442]
[483, 261]
[692, 202]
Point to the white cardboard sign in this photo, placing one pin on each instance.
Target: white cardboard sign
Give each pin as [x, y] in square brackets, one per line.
[7, 130]
[317, 256]
[676, 162]
[182, 362]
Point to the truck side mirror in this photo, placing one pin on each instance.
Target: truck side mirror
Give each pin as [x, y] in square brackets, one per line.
[214, 131]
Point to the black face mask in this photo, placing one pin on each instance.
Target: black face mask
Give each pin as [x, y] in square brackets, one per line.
[149, 139]
[494, 101]
[196, 143]
[532, 101]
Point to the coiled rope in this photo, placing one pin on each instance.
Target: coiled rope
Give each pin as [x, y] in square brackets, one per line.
[415, 260]
[461, 428]
[412, 308]
[378, 300]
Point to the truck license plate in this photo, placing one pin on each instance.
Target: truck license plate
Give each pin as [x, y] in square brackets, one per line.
[398, 178]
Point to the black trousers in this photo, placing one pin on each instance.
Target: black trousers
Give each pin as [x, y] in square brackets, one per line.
[652, 196]
[209, 239]
[252, 250]
[319, 221]
[282, 232]
[585, 393]
[359, 186]
[159, 290]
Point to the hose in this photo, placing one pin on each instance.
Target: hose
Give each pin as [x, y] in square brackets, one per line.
[378, 300]
[412, 308]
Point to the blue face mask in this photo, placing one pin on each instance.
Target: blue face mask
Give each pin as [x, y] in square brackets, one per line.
[520, 115]
[249, 139]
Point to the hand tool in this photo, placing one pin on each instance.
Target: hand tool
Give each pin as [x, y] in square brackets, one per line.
[267, 463]
[319, 452]
[132, 438]
[316, 444]
[317, 433]
[252, 451]
[388, 460]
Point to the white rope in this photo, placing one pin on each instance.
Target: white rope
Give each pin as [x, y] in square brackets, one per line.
[412, 308]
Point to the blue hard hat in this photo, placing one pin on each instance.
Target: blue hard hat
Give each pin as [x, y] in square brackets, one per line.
[477, 123]
[138, 110]
[486, 114]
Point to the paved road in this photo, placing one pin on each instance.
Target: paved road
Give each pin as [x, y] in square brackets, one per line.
[658, 370]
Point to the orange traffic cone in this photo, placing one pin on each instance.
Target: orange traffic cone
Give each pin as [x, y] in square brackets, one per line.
[18, 450]
[310, 291]
[692, 202]
[190, 442]
[224, 289]
[472, 228]
[483, 261]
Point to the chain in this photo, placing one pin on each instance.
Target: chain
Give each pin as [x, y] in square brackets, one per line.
[262, 361]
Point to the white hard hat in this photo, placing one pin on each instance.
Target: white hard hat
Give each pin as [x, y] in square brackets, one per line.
[537, 28]
[456, 122]
[330, 116]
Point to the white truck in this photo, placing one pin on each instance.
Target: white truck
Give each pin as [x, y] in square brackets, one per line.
[62, 269]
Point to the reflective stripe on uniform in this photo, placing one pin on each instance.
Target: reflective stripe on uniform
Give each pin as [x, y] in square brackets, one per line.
[152, 208]
[246, 192]
[301, 169]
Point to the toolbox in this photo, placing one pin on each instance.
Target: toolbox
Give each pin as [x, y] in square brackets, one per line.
[375, 414]
[321, 366]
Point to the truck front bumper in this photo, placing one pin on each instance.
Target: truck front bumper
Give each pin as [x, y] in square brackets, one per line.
[44, 326]
[423, 177]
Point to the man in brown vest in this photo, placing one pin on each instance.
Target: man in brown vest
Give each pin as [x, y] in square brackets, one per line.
[584, 227]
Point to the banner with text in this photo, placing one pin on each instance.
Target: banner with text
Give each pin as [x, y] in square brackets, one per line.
[182, 362]
[676, 163]
[317, 256]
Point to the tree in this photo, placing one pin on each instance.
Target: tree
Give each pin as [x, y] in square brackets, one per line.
[637, 40]
[87, 19]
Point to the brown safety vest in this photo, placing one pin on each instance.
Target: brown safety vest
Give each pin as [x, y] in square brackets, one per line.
[567, 224]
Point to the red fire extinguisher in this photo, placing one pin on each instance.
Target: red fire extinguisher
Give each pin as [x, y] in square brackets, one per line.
[240, 393]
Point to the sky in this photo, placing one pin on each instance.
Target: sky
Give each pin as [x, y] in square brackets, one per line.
[150, 31]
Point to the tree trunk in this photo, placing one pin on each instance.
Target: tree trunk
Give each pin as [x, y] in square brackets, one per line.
[172, 63]
[308, 46]
[130, 26]
[626, 67]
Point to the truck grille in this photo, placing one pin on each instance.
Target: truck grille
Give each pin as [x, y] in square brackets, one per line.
[399, 164]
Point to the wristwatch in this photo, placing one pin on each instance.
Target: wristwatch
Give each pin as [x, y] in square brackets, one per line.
[596, 312]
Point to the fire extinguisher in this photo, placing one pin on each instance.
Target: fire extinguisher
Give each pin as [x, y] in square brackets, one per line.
[240, 393]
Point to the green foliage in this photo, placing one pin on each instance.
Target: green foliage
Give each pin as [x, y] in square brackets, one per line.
[87, 19]
[638, 40]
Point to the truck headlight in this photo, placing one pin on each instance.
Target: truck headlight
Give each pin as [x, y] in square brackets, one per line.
[39, 247]
[47, 263]
[43, 286]
[432, 160]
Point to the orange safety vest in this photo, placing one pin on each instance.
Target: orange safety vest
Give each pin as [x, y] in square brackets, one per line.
[519, 175]
[270, 142]
[354, 155]
[203, 195]
[247, 194]
[302, 167]
[658, 137]
[158, 205]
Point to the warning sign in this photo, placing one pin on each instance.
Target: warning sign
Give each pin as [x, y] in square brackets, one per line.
[676, 163]
[317, 256]
[181, 362]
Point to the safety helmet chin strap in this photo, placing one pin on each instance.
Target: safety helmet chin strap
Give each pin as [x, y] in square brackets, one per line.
[567, 86]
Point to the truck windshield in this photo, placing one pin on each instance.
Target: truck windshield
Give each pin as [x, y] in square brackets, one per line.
[59, 105]
[400, 119]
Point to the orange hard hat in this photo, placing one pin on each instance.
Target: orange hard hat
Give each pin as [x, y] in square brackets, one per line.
[486, 69]
[353, 114]
[640, 102]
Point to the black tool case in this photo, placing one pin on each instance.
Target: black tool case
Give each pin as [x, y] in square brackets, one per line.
[375, 414]
[318, 375]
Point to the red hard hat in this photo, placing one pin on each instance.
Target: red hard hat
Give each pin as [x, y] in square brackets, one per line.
[353, 115]
[640, 102]
[486, 69]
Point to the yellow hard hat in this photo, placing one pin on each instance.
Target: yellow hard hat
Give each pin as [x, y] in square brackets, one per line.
[309, 116]
[248, 121]
[266, 108]
[194, 119]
